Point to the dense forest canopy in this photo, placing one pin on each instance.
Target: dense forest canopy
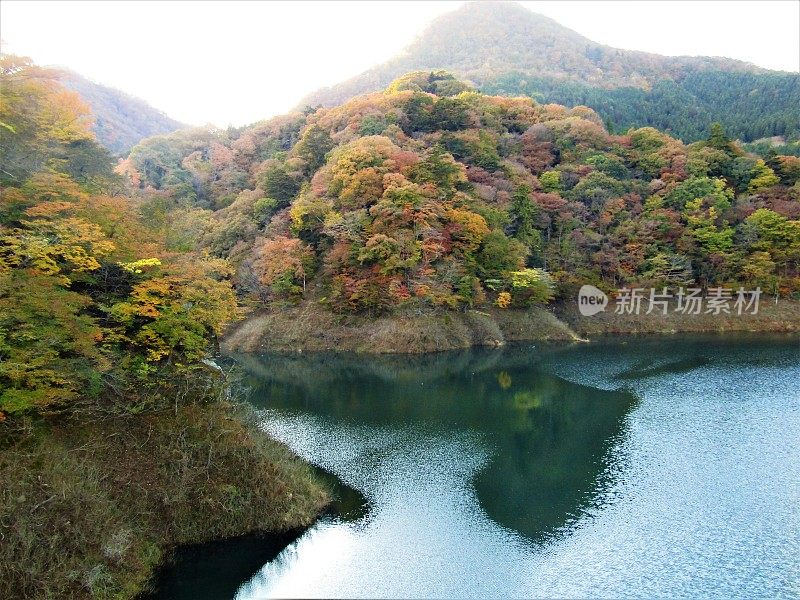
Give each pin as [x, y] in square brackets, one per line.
[432, 194]
[94, 309]
[750, 106]
[503, 48]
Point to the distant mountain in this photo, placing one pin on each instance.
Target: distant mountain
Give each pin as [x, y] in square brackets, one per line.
[121, 120]
[504, 48]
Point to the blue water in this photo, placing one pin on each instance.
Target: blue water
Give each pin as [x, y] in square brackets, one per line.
[636, 468]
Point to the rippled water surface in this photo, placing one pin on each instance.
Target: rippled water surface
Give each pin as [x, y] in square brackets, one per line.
[646, 467]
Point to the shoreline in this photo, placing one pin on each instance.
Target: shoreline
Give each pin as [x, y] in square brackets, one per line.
[783, 317]
[120, 496]
[190, 568]
[308, 328]
[260, 548]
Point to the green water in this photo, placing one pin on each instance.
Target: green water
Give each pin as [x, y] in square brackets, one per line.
[639, 467]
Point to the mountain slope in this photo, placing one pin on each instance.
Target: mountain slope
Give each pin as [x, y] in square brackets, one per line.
[120, 121]
[425, 197]
[504, 48]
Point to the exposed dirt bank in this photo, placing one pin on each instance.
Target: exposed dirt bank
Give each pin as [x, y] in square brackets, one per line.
[309, 328]
[771, 317]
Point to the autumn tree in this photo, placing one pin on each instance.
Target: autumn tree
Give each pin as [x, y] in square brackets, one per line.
[87, 307]
[525, 213]
[282, 265]
[314, 144]
[41, 123]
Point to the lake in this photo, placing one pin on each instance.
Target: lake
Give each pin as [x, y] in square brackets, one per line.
[633, 467]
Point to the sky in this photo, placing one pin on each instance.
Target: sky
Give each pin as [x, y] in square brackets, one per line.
[240, 62]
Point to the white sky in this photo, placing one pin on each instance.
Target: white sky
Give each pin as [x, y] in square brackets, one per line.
[239, 62]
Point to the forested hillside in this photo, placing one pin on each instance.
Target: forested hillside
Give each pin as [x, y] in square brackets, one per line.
[503, 48]
[88, 291]
[103, 330]
[120, 121]
[429, 195]
[749, 105]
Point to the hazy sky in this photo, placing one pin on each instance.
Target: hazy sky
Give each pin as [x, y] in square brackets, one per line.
[239, 62]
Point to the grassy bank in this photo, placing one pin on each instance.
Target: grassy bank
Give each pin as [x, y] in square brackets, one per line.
[783, 316]
[89, 507]
[310, 328]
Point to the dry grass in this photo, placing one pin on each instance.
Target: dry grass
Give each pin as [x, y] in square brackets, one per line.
[89, 509]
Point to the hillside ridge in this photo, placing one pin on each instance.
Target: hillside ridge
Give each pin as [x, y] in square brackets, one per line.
[479, 38]
[506, 49]
[121, 120]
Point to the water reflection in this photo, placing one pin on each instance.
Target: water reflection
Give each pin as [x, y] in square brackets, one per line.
[639, 467]
[480, 449]
[546, 438]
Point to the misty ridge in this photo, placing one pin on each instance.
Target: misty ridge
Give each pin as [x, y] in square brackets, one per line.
[504, 48]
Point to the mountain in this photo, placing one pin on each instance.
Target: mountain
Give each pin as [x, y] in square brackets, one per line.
[504, 48]
[120, 120]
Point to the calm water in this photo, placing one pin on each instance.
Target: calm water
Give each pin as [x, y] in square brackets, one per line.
[646, 467]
